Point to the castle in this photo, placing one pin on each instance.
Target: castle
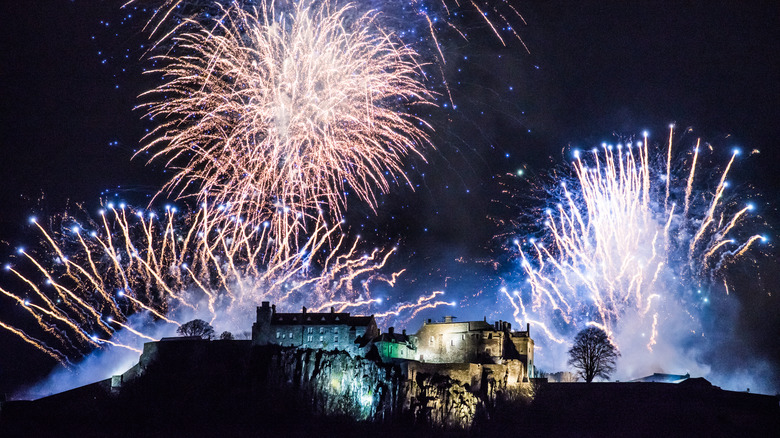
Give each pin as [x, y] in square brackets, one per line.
[446, 342]
[329, 331]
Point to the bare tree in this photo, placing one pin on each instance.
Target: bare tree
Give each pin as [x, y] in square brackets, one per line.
[196, 327]
[592, 354]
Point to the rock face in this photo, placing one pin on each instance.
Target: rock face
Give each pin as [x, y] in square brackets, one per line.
[334, 383]
[440, 401]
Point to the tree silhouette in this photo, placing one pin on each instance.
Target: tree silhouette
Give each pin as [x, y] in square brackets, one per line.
[592, 354]
[196, 327]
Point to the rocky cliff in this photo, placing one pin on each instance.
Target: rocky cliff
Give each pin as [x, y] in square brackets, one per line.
[336, 384]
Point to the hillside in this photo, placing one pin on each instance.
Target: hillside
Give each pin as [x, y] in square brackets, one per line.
[201, 388]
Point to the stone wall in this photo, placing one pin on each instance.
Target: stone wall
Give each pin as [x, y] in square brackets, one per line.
[471, 375]
[457, 342]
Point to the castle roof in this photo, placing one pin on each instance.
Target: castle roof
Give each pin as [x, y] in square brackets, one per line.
[480, 326]
[329, 318]
[664, 378]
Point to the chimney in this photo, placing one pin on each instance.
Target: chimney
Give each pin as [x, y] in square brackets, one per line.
[266, 304]
[332, 309]
[403, 332]
[495, 325]
[273, 309]
[429, 320]
[447, 319]
[391, 330]
[528, 329]
[304, 310]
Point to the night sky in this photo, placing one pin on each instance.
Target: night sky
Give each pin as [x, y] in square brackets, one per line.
[69, 81]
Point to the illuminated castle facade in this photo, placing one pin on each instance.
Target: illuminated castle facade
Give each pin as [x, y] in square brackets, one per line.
[446, 342]
[474, 342]
[328, 331]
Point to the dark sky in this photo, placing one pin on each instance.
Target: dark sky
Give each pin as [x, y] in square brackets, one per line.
[67, 129]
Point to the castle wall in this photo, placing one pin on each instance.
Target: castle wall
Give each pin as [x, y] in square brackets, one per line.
[510, 373]
[325, 337]
[525, 348]
[304, 332]
[395, 350]
[458, 342]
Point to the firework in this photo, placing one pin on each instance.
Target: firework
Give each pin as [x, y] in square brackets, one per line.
[89, 278]
[498, 15]
[624, 243]
[286, 110]
[425, 25]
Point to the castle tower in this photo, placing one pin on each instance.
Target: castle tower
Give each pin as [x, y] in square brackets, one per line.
[261, 329]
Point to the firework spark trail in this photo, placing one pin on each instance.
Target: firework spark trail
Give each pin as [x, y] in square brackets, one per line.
[163, 266]
[689, 187]
[53, 353]
[267, 111]
[422, 303]
[669, 168]
[519, 308]
[709, 217]
[617, 251]
[432, 11]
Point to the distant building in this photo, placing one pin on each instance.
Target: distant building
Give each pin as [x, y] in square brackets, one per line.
[663, 378]
[329, 331]
[474, 342]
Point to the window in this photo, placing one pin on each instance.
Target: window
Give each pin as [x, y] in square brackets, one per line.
[290, 335]
[310, 330]
[452, 342]
[277, 335]
[283, 336]
[335, 329]
[322, 338]
[322, 330]
[336, 339]
[309, 338]
[430, 342]
[462, 337]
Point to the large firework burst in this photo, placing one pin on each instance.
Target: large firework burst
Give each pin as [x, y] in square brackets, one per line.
[625, 243]
[286, 109]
